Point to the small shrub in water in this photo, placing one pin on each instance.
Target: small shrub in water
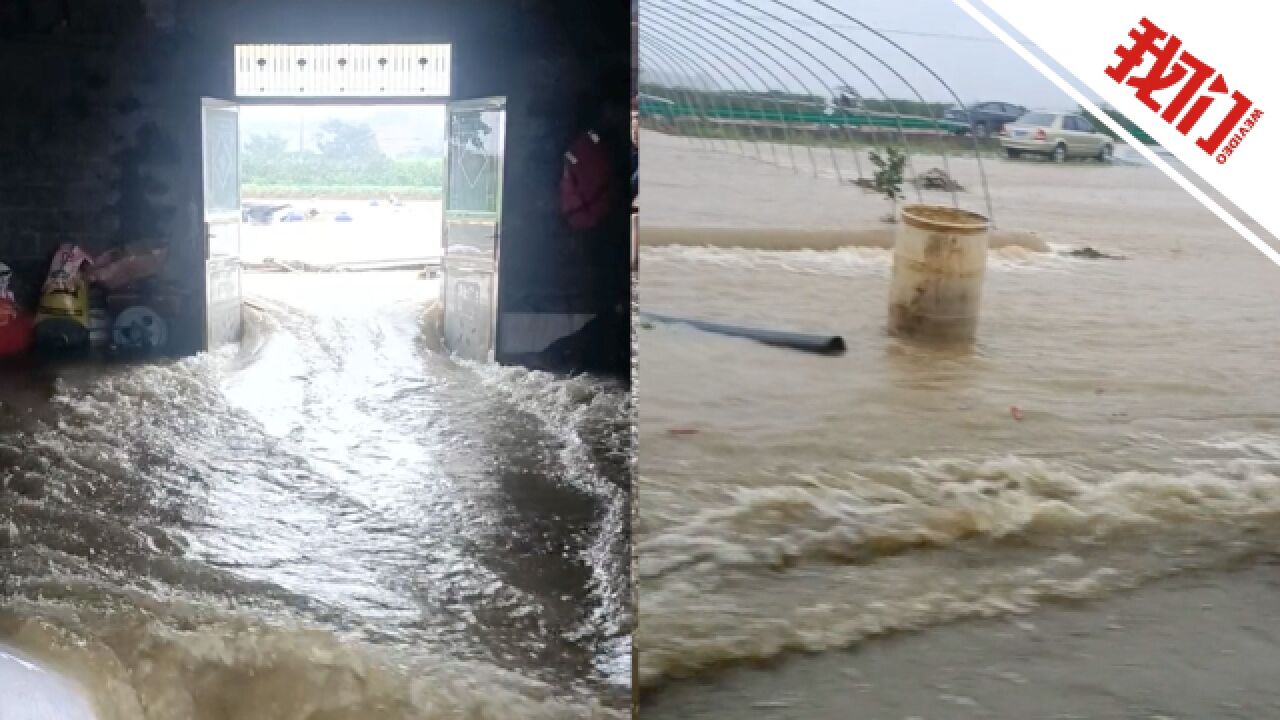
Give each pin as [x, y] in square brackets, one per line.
[888, 177]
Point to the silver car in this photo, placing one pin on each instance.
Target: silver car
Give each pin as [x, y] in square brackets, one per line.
[1055, 135]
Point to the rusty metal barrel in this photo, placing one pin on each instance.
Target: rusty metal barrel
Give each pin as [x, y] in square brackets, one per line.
[939, 263]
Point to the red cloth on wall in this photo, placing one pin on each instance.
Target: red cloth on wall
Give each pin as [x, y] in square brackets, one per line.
[15, 325]
[586, 185]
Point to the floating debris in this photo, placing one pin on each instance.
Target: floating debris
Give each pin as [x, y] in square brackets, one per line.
[1092, 254]
[937, 179]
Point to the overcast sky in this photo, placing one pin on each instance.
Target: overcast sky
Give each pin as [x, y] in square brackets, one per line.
[972, 61]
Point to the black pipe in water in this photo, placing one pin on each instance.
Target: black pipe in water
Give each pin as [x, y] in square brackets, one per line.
[819, 344]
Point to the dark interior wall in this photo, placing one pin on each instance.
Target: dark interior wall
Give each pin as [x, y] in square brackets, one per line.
[100, 131]
[90, 148]
[576, 79]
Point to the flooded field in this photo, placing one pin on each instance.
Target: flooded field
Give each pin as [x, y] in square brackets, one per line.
[376, 231]
[1092, 489]
[334, 520]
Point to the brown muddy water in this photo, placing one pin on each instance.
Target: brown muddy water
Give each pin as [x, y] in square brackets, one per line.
[333, 520]
[1116, 426]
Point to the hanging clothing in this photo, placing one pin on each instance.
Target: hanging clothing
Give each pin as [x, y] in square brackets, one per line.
[586, 184]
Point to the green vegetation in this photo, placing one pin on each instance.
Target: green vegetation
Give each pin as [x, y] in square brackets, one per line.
[850, 139]
[888, 176]
[312, 170]
[896, 105]
[347, 163]
[775, 103]
[752, 102]
[369, 192]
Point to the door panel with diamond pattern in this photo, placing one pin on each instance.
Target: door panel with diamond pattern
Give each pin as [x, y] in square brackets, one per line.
[472, 224]
[221, 128]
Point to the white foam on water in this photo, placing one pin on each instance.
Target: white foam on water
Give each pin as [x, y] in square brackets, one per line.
[845, 262]
[592, 420]
[824, 560]
[113, 500]
[138, 667]
[799, 503]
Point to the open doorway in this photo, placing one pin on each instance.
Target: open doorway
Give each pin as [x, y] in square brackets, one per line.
[386, 155]
[342, 368]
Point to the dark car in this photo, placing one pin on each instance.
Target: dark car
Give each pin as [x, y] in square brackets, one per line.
[987, 118]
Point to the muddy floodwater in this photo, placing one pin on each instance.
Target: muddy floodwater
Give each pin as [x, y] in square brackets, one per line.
[307, 230]
[1074, 518]
[332, 520]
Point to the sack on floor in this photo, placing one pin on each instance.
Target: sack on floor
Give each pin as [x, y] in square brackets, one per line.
[118, 268]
